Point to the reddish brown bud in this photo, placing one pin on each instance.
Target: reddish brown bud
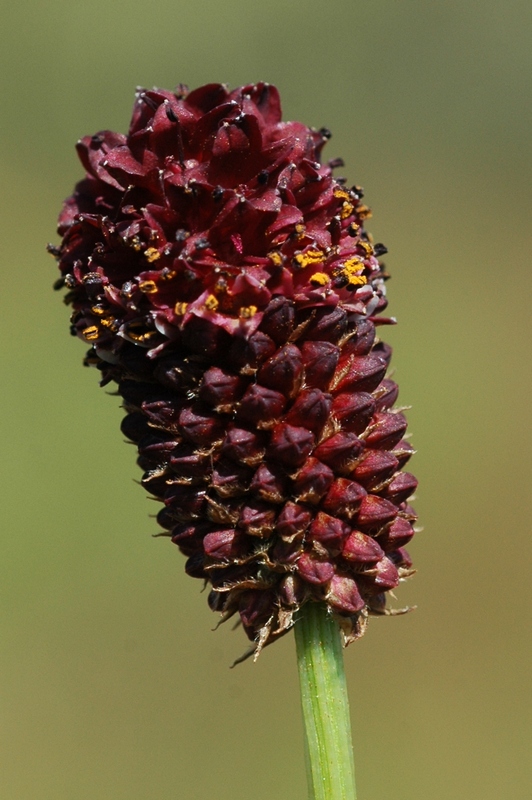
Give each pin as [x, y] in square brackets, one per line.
[375, 512]
[361, 548]
[282, 371]
[353, 411]
[320, 360]
[293, 521]
[313, 570]
[387, 430]
[260, 404]
[290, 445]
[374, 467]
[344, 498]
[312, 481]
[344, 596]
[340, 452]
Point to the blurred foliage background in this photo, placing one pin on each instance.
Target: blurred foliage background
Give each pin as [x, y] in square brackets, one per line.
[113, 685]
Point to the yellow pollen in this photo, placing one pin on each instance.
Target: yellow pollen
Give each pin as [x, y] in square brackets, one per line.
[211, 303]
[341, 194]
[367, 247]
[148, 287]
[141, 337]
[354, 229]
[300, 231]
[309, 258]
[246, 312]
[97, 311]
[321, 278]
[180, 308]
[364, 212]
[276, 258]
[168, 276]
[351, 270]
[152, 254]
[346, 210]
[90, 333]
[108, 322]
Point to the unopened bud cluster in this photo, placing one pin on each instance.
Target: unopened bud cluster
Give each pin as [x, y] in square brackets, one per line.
[226, 283]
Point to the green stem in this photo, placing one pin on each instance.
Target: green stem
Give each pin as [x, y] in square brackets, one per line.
[328, 746]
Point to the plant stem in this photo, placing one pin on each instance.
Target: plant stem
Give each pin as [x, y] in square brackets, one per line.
[328, 745]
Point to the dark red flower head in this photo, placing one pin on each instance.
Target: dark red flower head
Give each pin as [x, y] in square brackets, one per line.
[226, 283]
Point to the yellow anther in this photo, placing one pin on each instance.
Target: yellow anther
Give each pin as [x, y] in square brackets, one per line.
[364, 212]
[211, 303]
[134, 242]
[109, 322]
[141, 337]
[367, 247]
[341, 194]
[90, 333]
[357, 280]
[353, 229]
[97, 310]
[352, 270]
[321, 278]
[346, 210]
[309, 258]
[246, 312]
[168, 276]
[180, 309]
[152, 254]
[148, 287]
[276, 258]
[300, 231]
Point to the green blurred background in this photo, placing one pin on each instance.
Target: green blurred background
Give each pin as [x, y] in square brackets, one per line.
[113, 685]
